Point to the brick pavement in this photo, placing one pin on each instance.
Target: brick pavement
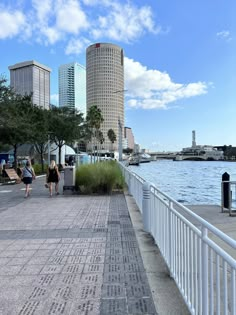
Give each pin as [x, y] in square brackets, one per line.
[69, 255]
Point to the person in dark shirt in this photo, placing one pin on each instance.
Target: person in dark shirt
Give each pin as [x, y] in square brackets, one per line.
[53, 176]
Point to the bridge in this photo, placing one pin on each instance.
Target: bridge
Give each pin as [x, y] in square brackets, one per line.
[178, 157]
[162, 155]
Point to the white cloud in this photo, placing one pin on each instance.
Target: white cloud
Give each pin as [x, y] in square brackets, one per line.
[57, 19]
[43, 10]
[70, 18]
[125, 23]
[77, 46]
[54, 99]
[152, 89]
[11, 23]
[51, 35]
[49, 21]
[225, 35]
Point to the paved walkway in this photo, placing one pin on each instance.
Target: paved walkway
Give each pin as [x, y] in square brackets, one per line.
[69, 255]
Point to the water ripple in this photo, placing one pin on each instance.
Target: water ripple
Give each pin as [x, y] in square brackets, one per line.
[189, 182]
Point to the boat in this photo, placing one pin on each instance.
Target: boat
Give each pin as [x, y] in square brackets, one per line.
[134, 159]
[145, 158]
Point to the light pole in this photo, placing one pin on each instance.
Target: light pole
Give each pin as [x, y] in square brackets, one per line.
[120, 130]
[120, 139]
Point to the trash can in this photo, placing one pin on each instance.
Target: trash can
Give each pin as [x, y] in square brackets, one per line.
[225, 190]
[69, 178]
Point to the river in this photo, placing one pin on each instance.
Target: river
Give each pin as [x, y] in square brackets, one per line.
[189, 182]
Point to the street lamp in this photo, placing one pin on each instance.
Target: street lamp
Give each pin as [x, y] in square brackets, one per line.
[120, 139]
[120, 129]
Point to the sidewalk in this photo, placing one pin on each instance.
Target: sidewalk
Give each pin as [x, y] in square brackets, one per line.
[78, 255]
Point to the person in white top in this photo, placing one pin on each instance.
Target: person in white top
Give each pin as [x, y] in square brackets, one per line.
[28, 175]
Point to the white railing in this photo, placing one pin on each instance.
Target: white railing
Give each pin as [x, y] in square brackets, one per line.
[198, 255]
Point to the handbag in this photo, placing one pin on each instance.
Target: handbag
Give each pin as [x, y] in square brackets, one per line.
[46, 185]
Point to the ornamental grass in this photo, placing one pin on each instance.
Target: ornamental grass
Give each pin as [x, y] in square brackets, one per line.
[102, 178]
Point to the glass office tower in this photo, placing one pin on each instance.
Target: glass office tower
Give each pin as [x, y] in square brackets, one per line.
[72, 86]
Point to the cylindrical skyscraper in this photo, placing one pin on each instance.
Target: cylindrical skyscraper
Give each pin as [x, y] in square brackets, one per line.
[105, 87]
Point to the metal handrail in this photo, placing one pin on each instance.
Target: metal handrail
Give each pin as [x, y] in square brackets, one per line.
[202, 269]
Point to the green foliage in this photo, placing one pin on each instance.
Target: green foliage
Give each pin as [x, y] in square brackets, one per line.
[65, 126]
[94, 117]
[100, 177]
[111, 135]
[38, 169]
[94, 120]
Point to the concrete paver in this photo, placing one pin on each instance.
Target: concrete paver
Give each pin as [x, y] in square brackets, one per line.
[69, 255]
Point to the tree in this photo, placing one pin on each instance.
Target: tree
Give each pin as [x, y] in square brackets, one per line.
[85, 135]
[111, 136]
[6, 92]
[100, 138]
[16, 125]
[94, 120]
[65, 126]
[40, 133]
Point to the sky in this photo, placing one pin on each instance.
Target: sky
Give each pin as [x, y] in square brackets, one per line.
[180, 59]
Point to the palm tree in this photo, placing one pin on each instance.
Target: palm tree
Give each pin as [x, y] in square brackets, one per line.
[100, 139]
[112, 136]
[94, 120]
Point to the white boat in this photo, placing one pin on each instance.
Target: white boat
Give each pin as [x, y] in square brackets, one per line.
[145, 158]
[134, 159]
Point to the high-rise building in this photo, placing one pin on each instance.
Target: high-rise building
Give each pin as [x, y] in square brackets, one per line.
[32, 77]
[130, 137]
[72, 86]
[105, 87]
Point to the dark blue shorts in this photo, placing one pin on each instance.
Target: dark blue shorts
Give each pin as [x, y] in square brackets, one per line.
[27, 180]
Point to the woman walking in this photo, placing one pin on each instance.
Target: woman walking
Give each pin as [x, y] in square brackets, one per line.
[53, 176]
[27, 176]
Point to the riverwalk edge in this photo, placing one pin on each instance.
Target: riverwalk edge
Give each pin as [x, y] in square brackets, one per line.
[56, 252]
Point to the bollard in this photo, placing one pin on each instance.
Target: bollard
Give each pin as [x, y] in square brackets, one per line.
[225, 192]
[146, 206]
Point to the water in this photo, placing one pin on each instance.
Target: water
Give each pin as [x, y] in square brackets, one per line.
[189, 182]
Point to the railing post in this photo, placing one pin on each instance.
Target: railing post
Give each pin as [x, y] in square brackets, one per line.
[146, 206]
[205, 300]
[129, 182]
[170, 237]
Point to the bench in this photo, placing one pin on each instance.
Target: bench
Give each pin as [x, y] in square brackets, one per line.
[12, 175]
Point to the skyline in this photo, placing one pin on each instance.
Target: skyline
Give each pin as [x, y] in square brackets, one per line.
[180, 67]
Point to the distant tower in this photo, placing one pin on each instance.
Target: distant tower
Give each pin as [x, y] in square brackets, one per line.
[105, 87]
[32, 77]
[72, 86]
[130, 137]
[193, 139]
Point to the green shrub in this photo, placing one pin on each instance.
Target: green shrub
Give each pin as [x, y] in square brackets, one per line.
[38, 168]
[101, 177]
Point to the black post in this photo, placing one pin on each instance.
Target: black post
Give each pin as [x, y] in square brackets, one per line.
[225, 177]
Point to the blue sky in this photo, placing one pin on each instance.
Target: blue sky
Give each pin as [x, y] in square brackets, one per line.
[180, 59]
